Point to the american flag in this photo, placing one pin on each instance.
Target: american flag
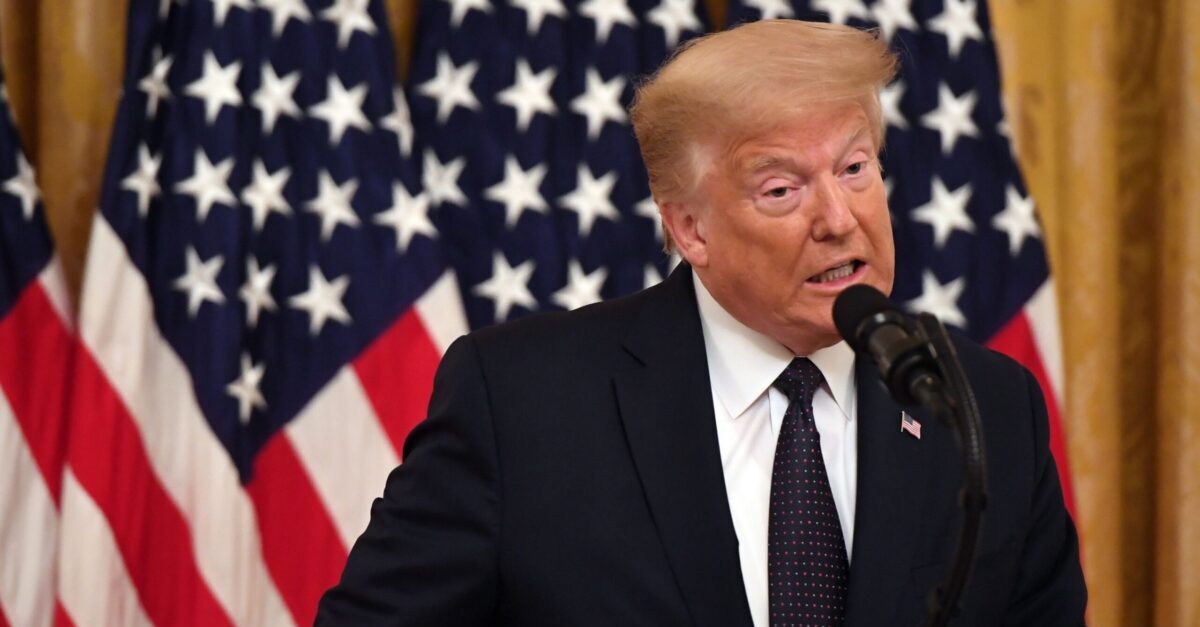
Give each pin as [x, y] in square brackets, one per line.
[35, 351]
[909, 425]
[529, 161]
[968, 243]
[264, 304]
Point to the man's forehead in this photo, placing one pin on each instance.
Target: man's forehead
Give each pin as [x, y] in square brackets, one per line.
[791, 144]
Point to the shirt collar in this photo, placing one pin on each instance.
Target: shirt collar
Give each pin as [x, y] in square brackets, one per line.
[743, 363]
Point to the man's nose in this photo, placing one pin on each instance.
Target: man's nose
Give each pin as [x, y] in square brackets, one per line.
[832, 217]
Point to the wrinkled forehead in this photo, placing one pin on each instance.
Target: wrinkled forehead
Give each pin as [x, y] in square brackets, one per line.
[802, 138]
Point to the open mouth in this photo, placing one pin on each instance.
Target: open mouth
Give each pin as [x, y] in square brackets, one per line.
[837, 273]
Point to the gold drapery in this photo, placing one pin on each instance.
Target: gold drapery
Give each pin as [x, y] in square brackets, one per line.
[1104, 102]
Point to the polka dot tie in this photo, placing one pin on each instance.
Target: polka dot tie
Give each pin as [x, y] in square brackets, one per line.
[807, 566]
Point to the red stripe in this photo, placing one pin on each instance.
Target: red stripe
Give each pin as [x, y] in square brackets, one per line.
[1017, 341]
[61, 619]
[35, 349]
[3, 619]
[299, 542]
[107, 456]
[396, 372]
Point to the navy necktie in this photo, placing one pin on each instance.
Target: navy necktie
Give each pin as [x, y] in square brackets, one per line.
[807, 566]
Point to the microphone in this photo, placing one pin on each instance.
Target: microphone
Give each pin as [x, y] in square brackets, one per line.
[875, 327]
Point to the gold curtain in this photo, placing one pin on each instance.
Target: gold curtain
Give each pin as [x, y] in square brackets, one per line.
[1104, 102]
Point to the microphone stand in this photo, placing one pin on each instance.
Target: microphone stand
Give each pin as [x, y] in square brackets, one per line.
[953, 401]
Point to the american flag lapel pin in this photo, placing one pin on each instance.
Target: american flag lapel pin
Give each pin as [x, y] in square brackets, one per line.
[909, 425]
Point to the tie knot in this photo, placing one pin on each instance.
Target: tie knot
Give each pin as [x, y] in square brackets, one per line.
[799, 381]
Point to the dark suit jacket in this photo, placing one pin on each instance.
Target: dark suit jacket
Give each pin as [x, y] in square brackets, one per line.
[568, 474]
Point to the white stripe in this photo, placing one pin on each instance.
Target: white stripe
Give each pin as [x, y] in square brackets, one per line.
[1042, 311]
[345, 450]
[55, 287]
[28, 527]
[94, 587]
[117, 323]
[441, 312]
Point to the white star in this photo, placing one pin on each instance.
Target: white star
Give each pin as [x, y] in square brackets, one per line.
[451, 87]
[322, 300]
[441, 180]
[529, 94]
[945, 212]
[217, 86]
[221, 9]
[590, 199]
[154, 83]
[200, 281]
[893, 14]
[460, 8]
[537, 10]
[284, 10]
[648, 209]
[772, 9]
[208, 184]
[957, 23]
[889, 105]
[24, 186]
[264, 194]
[399, 122]
[332, 203]
[256, 291]
[408, 216]
[341, 109]
[275, 96]
[581, 289]
[840, 11]
[675, 17]
[606, 14]
[940, 300]
[349, 15]
[1017, 219]
[600, 102]
[143, 181]
[245, 389]
[507, 286]
[952, 117]
[518, 191]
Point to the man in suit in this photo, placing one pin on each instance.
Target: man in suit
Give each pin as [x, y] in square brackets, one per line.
[709, 452]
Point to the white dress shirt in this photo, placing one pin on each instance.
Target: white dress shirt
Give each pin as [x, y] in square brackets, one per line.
[742, 365]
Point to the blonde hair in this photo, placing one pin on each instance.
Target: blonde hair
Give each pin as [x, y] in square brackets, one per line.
[736, 84]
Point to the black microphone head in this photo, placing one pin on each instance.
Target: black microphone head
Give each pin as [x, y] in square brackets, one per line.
[854, 305]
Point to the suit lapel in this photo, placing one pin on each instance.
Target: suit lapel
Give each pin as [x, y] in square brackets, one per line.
[665, 400]
[892, 478]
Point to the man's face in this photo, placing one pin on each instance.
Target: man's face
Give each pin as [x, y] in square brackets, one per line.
[787, 220]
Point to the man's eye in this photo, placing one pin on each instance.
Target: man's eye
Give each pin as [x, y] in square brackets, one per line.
[777, 192]
[855, 168]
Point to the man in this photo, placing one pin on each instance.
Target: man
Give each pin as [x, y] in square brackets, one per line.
[708, 452]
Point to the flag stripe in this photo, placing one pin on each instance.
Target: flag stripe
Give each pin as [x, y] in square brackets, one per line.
[111, 464]
[27, 529]
[396, 372]
[345, 452]
[55, 287]
[441, 311]
[61, 619]
[1017, 341]
[1042, 311]
[181, 449]
[36, 388]
[102, 593]
[300, 543]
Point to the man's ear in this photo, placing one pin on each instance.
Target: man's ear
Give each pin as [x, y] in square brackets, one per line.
[688, 229]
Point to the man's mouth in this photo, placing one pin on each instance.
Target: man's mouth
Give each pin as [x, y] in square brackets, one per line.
[837, 272]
